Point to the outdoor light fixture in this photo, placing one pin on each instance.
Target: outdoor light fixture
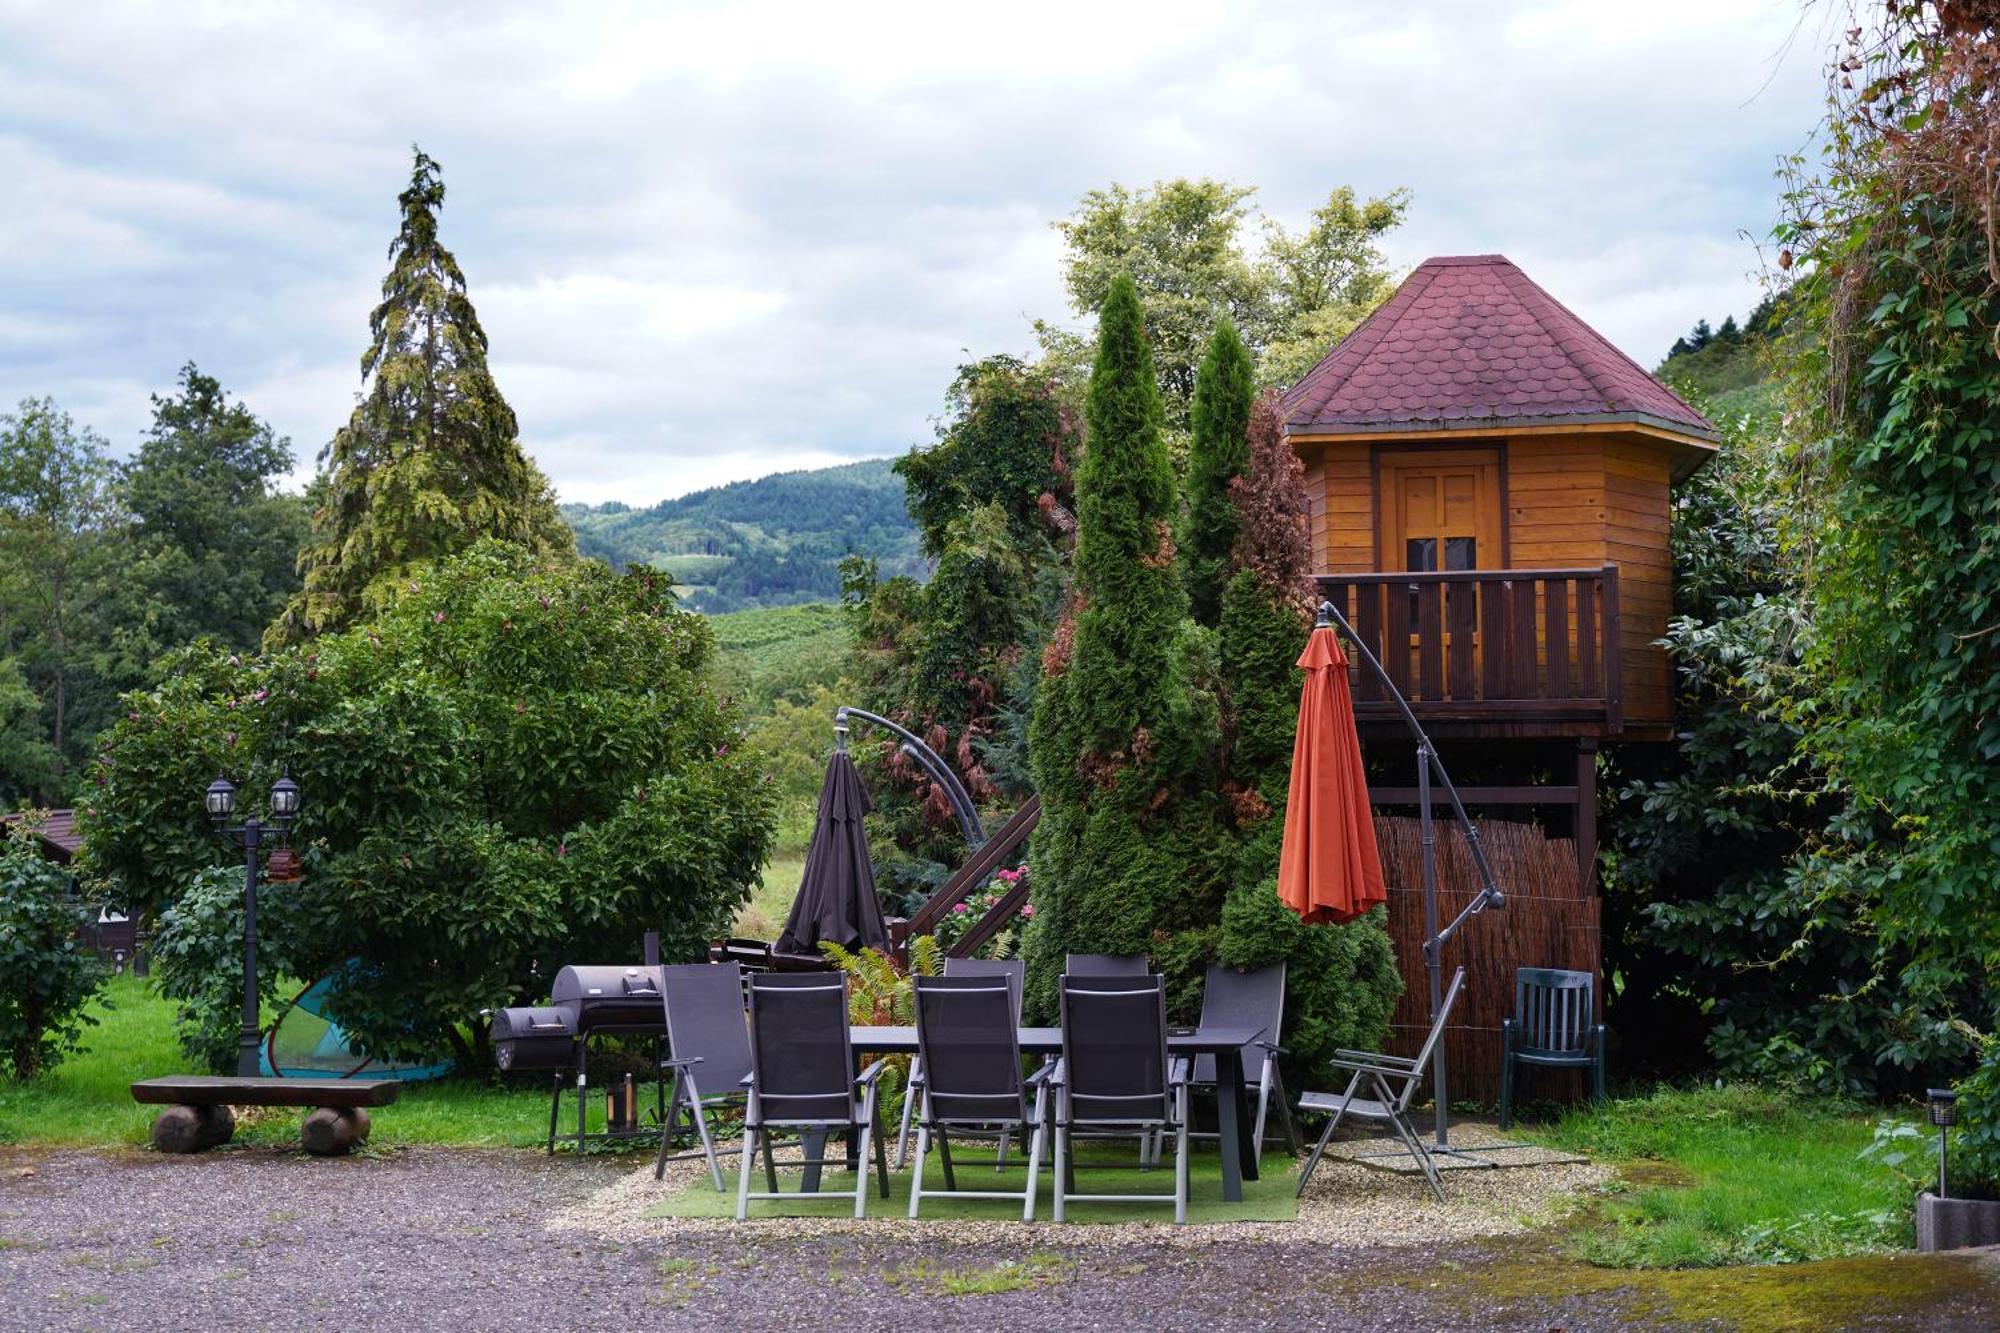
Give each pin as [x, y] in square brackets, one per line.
[221, 799]
[220, 803]
[285, 798]
[1944, 1113]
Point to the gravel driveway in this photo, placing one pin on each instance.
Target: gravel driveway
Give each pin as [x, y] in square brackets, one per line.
[457, 1239]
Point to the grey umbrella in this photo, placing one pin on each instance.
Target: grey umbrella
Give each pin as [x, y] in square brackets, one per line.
[837, 893]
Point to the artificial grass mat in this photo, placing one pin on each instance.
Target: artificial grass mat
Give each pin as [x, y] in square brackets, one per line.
[1269, 1198]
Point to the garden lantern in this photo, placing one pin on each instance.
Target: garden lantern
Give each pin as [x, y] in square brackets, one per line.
[1944, 1113]
[220, 803]
[285, 799]
[221, 799]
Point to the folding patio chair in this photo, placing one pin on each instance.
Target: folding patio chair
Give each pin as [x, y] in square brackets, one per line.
[1106, 965]
[1015, 972]
[969, 1040]
[802, 1078]
[1114, 1078]
[1393, 1080]
[710, 1052]
[1230, 998]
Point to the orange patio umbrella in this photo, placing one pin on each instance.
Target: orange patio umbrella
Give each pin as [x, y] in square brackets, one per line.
[1330, 868]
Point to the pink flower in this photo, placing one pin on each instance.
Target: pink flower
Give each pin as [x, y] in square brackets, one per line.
[261, 695]
[962, 907]
[437, 618]
[1028, 911]
[562, 849]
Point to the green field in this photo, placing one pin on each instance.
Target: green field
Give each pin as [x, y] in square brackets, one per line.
[779, 652]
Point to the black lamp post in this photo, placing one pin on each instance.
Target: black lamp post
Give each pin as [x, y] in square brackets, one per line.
[1944, 1112]
[220, 802]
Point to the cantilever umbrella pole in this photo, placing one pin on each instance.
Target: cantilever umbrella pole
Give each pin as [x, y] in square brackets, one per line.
[1489, 896]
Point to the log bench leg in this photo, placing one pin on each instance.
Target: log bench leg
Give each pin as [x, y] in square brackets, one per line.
[330, 1131]
[184, 1129]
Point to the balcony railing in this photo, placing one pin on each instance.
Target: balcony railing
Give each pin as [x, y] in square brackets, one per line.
[1488, 644]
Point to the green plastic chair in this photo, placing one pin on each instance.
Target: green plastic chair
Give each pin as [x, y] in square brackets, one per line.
[1551, 1027]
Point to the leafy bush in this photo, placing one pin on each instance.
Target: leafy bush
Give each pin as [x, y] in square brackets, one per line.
[197, 959]
[46, 978]
[515, 766]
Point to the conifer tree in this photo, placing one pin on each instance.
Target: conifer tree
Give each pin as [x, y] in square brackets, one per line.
[1341, 984]
[429, 461]
[1129, 847]
[1220, 453]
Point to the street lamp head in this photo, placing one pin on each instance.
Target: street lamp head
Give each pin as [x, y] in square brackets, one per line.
[285, 798]
[221, 799]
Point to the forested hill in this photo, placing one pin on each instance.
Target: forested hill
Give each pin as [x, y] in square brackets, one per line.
[1727, 370]
[775, 541]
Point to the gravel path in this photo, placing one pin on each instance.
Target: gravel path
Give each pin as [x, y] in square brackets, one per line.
[457, 1239]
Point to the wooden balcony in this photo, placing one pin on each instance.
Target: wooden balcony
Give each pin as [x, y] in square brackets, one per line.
[1500, 652]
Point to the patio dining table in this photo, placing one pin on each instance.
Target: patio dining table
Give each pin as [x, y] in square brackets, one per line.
[1233, 1122]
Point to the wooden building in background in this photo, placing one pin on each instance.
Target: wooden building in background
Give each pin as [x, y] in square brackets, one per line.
[1491, 485]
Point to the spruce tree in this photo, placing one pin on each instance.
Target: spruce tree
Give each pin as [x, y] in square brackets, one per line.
[1220, 453]
[1129, 848]
[429, 461]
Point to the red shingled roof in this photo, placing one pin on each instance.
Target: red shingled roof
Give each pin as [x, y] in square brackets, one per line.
[1468, 340]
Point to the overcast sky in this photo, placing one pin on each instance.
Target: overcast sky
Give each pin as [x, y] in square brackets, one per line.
[714, 241]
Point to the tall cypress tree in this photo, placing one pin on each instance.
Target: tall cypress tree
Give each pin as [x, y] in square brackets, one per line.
[429, 462]
[1220, 453]
[1342, 983]
[1129, 847]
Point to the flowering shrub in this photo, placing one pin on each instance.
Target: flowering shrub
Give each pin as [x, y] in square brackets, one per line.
[513, 766]
[968, 913]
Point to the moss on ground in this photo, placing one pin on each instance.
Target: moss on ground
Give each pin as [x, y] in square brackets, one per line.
[1520, 1278]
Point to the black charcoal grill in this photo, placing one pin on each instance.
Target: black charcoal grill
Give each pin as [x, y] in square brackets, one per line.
[584, 1002]
[539, 1036]
[626, 998]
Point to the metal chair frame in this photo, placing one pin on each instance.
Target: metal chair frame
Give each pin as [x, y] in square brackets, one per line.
[1269, 1079]
[863, 1117]
[683, 1035]
[1015, 971]
[1160, 1108]
[1390, 1105]
[1000, 1113]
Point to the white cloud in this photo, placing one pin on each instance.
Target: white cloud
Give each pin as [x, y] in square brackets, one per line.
[714, 240]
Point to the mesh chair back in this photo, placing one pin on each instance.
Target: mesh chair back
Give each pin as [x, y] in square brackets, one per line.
[1436, 1034]
[704, 1004]
[1015, 970]
[799, 1048]
[1553, 1010]
[1232, 999]
[1114, 1036]
[971, 1052]
[1106, 965]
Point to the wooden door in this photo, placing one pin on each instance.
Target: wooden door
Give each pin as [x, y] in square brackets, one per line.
[1439, 510]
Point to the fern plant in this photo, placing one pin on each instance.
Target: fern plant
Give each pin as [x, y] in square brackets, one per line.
[880, 993]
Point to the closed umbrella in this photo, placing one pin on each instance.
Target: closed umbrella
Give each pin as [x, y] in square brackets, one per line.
[1330, 868]
[837, 893]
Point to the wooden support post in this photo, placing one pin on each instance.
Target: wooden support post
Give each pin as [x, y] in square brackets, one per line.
[1586, 816]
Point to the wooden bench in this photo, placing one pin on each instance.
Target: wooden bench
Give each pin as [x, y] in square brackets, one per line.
[198, 1114]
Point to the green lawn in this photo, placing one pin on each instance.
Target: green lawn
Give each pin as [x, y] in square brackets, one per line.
[1266, 1199]
[1733, 1175]
[86, 1100]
